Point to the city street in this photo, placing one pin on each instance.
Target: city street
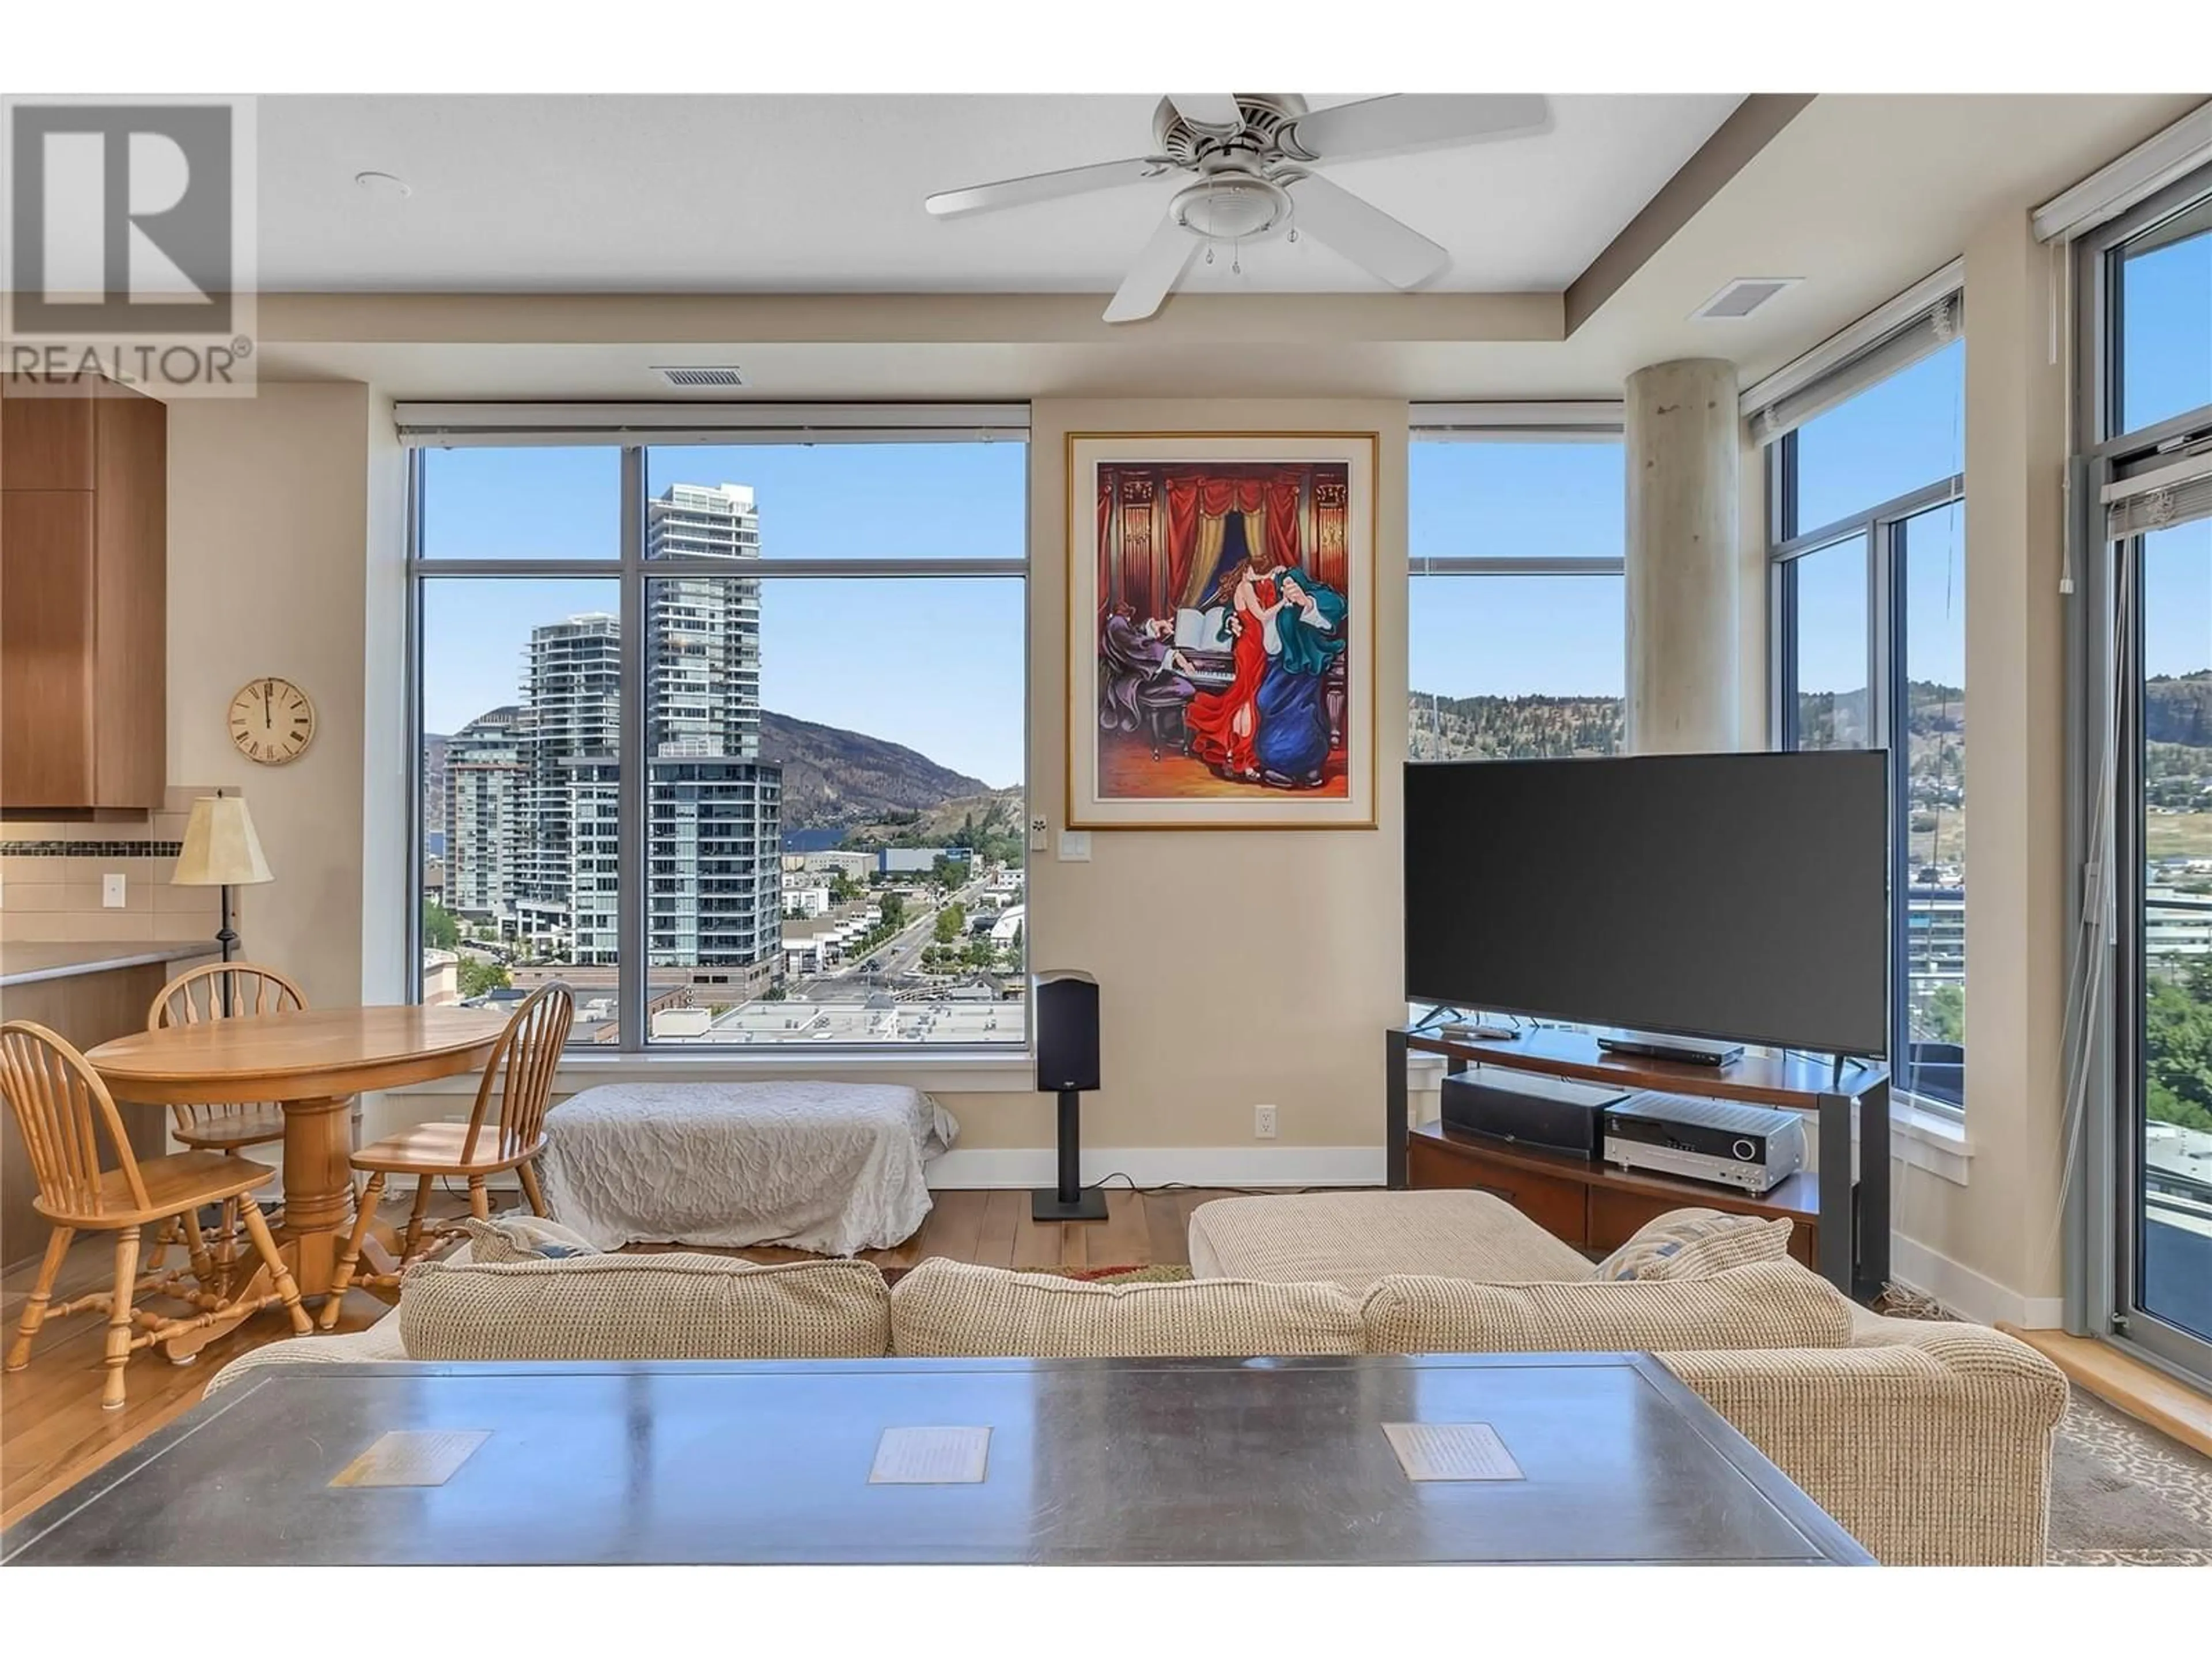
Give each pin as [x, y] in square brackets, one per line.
[900, 955]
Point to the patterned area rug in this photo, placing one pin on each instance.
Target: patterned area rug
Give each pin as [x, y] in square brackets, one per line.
[2121, 1494]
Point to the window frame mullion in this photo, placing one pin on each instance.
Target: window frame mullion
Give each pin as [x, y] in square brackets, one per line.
[631, 822]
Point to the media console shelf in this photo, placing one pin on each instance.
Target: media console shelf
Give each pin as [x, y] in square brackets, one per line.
[1587, 1203]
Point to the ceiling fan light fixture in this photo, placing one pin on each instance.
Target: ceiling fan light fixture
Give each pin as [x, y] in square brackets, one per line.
[1229, 206]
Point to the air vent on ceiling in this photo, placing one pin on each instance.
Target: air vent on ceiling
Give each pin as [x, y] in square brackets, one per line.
[688, 374]
[1742, 297]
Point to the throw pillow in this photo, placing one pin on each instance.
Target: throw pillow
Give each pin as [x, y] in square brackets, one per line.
[1773, 1304]
[1696, 1244]
[526, 1238]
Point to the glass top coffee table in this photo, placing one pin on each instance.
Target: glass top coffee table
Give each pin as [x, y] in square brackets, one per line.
[1371, 1460]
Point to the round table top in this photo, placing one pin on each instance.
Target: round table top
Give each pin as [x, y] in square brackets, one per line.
[304, 1053]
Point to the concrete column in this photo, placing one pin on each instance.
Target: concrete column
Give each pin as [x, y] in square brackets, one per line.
[1684, 624]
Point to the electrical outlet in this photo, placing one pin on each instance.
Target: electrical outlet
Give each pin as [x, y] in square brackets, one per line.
[1263, 1123]
[1040, 841]
[111, 892]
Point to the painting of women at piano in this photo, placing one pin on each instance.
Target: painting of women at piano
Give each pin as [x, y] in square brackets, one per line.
[1220, 620]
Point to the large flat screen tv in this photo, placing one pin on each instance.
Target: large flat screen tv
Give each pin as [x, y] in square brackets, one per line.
[1744, 897]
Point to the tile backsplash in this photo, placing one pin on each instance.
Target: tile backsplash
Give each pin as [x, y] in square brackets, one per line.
[50, 875]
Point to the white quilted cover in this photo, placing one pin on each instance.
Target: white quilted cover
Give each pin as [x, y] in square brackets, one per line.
[830, 1167]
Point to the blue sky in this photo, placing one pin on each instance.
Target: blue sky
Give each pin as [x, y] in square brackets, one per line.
[937, 665]
[934, 665]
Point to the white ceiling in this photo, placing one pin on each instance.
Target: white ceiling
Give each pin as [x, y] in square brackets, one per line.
[824, 194]
[1859, 196]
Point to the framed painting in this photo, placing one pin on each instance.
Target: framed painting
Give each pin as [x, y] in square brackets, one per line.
[1221, 630]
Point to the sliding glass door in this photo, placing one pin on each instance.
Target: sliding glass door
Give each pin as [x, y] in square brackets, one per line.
[2144, 788]
[2167, 1136]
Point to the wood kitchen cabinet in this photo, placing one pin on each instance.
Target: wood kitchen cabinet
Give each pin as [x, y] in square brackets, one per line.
[83, 599]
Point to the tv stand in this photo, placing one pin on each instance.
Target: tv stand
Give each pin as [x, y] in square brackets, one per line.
[1852, 1237]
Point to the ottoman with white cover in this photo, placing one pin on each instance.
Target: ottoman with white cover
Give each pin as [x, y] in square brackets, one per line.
[828, 1167]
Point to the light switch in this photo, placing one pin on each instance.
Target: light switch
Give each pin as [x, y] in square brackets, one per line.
[1040, 840]
[1075, 846]
[111, 892]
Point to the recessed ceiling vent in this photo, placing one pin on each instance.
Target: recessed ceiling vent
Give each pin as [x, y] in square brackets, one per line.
[1742, 297]
[715, 374]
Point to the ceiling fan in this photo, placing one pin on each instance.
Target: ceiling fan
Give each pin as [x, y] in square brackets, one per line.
[1250, 157]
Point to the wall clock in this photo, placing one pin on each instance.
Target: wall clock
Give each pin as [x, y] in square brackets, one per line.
[271, 721]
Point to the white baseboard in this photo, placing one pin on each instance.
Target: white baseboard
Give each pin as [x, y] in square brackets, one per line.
[1964, 1291]
[1161, 1166]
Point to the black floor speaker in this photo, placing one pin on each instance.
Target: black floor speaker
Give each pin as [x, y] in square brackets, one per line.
[1066, 1003]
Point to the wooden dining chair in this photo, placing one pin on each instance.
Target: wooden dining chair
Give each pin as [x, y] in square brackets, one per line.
[224, 990]
[64, 1111]
[519, 1073]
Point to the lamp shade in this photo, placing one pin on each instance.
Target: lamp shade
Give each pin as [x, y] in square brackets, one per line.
[221, 849]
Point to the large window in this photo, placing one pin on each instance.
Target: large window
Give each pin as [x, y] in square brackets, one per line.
[1868, 528]
[2145, 641]
[1516, 622]
[728, 736]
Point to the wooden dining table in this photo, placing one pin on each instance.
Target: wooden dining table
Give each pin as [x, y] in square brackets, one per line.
[313, 1062]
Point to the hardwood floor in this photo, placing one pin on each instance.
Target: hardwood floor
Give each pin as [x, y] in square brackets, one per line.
[2126, 1384]
[54, 1433]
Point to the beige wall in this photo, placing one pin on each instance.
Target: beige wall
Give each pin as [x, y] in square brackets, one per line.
[268, 515]
[2003, 1225]
[1235, 969]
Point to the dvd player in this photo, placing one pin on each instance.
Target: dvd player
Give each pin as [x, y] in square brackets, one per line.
[1688, 1051]
[1754, 1148]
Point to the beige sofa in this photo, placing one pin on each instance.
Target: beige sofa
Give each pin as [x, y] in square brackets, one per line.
[1930, 1441]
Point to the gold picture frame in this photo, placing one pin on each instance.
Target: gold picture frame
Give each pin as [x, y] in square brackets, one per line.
[1189, 705]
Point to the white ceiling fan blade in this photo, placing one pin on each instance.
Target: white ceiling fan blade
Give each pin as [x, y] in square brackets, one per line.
[1416, 121]
[1041, 187]
[1365, 234]
[1157, 269]
[1208, 109]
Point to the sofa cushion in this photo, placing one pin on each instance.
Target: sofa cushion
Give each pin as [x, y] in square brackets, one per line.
[1773, 1304]
[1354, 1238]
[1695, 1243]
[524, 1237]
[954, 1307]
[669, 1306]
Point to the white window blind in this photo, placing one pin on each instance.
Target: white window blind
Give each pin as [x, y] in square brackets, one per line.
[455, 426]
[1783, 402]
[2143, 172]
[2178, 494]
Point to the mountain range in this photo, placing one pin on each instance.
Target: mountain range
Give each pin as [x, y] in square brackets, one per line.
[835, 778]
[839, 780]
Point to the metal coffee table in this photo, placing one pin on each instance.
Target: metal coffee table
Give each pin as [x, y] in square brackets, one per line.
[1555, 1458]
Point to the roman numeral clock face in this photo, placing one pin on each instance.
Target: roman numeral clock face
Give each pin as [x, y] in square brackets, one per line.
[271, 722]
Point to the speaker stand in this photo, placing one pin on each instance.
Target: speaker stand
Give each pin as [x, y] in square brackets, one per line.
[1069, 1201]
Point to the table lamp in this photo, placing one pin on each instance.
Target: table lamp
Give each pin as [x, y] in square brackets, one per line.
[220, 850]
